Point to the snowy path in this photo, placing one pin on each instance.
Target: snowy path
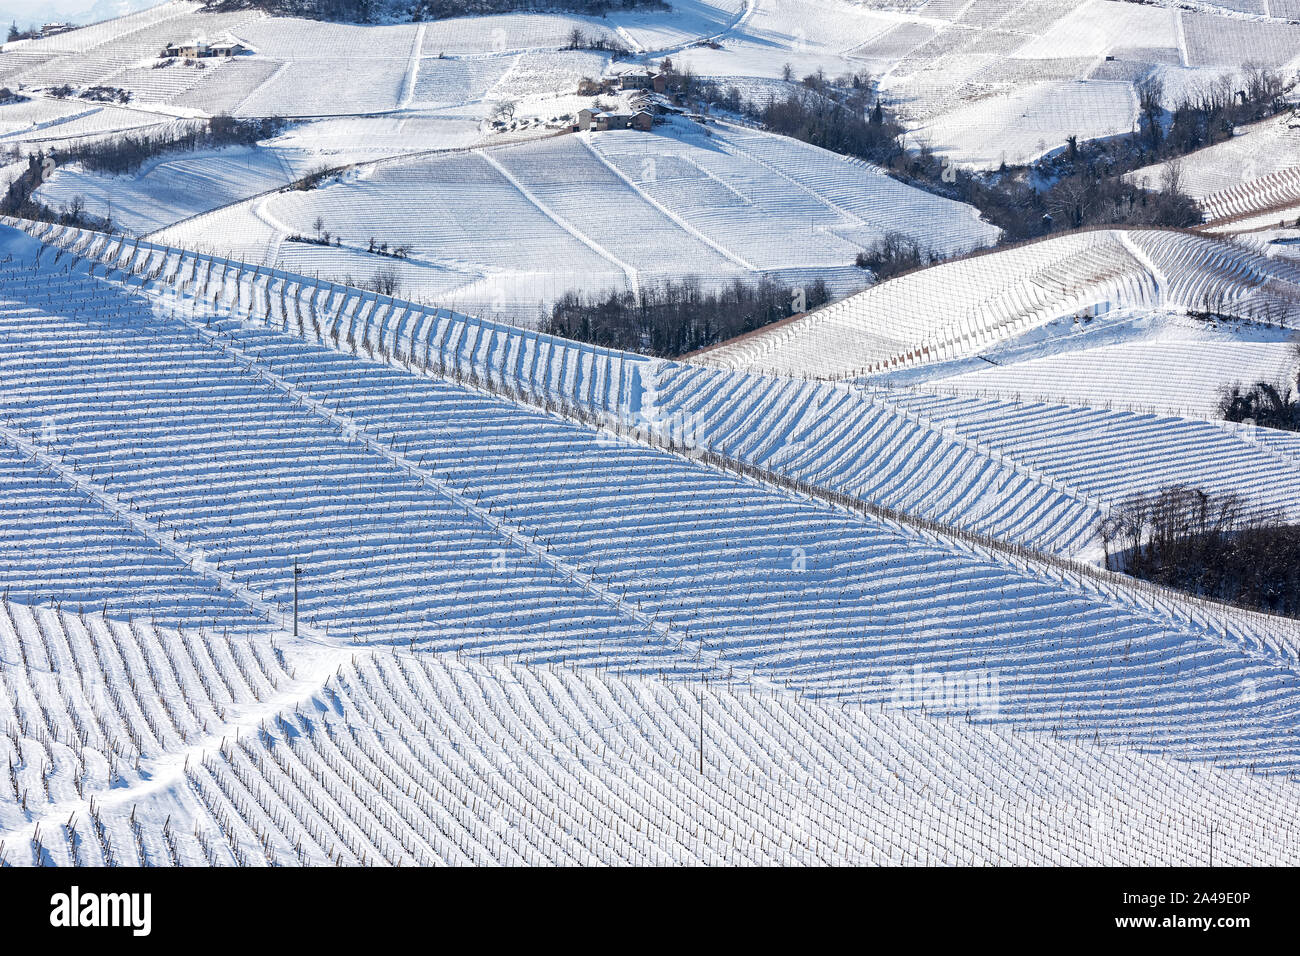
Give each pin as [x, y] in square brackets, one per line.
[167, 771]
[412, 70]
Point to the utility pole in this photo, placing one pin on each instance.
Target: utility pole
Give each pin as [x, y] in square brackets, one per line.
[701, 731]
[297, 571]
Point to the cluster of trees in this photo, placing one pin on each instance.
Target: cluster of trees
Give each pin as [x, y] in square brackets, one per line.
[841, 113]
[314, 179]
[437, 9]
[894, 254]
[18, 198]
[126, 154]
[385, 281]
[1208, 545]
[381, 249]
[1084, 182]
[100, 94]
[1267, 405]
[1212, 114]
[1081, 184]
[348, 11]
[317, 240]
[678, 317]
[123, 154]
[367, 11]
[580, 41]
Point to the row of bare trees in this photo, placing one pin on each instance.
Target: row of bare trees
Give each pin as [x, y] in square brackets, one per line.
[674, 318]
[370, 11]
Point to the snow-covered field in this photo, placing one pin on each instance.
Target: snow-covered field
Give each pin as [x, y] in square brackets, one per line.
[990, 80]
[294, 571]
[1256, 173]
[963, 308]
[979, 82]
[1142, 360]
[170, 189]
[958, 72]
[514, 624]
[504, 231]
[868, 443]
[400, 758]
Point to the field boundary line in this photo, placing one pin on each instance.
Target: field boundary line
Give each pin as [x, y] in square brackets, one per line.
[691, 230]
[633, 277]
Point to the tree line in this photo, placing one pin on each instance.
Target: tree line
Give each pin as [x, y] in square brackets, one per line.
[127, 153]
[1208, 545]
[1078, 184]
[370, 11]
[118, 156]
[1266, 404]
[674, 318]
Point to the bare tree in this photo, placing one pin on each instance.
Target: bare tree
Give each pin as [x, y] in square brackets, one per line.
[1151, 94]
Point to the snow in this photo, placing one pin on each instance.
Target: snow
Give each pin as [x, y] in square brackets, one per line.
[1101, 27]
[168, 190]
[1256, 171]
[963, 307]
[397, 737]
[593, 212]
[489, 586]
[1218, 42]
[1021, 126]
[1115, 454]
[1034, 73]
[530, 633]
[1152, 361]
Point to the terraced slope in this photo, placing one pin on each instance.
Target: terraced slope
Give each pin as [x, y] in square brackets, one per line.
[1115, 454]
[958, 309]
[509, 619]
[875, 445]
[256, 750]
[1256, 171]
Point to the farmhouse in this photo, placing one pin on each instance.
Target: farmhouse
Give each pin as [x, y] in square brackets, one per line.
[643, 81]
[594, 119]
[188, 48]
[54, 29]
[647, 81]
[589, 118]
[199, 48]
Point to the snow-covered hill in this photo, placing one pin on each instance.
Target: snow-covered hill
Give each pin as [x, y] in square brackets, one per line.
[511, 622]
[1253, 176]
[873, 444]
[295, 571]
[960, 309]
